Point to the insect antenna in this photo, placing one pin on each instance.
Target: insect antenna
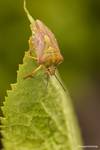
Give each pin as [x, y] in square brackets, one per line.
[60, 82]
[28, 14]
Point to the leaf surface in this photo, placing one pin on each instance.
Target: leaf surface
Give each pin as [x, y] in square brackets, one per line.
[37, 116]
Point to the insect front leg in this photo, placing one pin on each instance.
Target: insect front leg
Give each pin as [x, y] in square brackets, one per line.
[31, 57]
[34, 58]
[31, 48]
[32, 73]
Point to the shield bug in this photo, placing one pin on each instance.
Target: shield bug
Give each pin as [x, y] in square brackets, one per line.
[44, 45]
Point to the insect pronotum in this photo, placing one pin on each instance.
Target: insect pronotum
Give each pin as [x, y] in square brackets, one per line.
[45, 46]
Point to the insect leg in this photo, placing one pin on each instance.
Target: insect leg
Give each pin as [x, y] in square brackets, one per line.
[32, 57]
[60, 83]
[35, 58]
[33, 72]
[31, 45]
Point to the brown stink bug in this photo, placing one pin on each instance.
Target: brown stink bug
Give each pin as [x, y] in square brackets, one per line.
[44, 45]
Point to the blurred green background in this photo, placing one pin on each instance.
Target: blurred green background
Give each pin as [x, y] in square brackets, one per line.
[76, 25]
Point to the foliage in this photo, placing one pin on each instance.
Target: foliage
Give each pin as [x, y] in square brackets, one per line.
[36, 116]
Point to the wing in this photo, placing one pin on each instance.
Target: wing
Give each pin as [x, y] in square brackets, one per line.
[46, 31]
[42, 39]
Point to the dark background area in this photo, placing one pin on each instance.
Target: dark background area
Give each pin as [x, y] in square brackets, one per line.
[76, 25]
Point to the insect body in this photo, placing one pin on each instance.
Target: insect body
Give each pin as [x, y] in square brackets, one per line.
[45, 47]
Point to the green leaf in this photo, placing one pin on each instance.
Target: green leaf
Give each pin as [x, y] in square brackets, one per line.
[37, 116]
